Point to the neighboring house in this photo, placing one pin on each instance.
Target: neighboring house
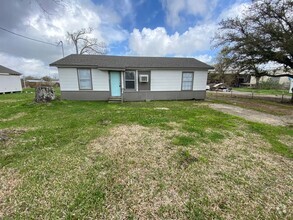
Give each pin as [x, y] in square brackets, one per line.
[285, 80]
[102, 77]
[9, 80]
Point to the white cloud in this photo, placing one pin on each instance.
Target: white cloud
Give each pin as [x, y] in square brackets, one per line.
[176, 8]
[32, 67]
[157, 42]
[52, 28]
[206, 58]
[235, 10]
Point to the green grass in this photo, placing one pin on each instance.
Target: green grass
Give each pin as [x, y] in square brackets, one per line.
[61, 178]
[264, 91]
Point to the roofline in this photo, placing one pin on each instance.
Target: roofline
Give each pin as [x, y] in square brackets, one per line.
[128, 68]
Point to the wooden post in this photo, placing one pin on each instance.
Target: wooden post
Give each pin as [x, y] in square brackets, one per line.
[252, 95]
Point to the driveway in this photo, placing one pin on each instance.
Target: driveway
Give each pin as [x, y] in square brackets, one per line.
[253, 115]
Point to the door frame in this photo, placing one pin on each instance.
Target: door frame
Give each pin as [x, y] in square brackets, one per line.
[110, 84]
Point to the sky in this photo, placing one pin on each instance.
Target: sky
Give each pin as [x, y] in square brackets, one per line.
[173, 28]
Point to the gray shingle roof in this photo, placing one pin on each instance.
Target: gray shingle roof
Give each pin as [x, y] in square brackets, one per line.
[4, 69]
[128, 62]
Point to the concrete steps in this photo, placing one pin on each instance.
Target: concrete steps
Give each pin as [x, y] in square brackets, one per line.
[114, 100]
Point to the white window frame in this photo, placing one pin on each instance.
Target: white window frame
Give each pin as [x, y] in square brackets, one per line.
[130, 80]
[80, 79]
[183, 81]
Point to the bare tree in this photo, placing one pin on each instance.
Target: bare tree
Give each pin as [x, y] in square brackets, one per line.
[84, 44]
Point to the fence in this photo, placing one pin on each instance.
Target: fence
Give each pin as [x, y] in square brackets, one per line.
[251, 95]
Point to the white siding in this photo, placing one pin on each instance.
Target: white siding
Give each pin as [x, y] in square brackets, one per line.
[166, 80]
[100, 80]
[10, 83]
[200, 80]
[171, 80]
[68, 79]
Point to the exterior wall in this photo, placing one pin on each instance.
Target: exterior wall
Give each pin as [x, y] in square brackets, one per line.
[166, 80]
[200, 80]
[10, 83]
[164, 95]
[164, 85]
[134, 96]
[280, 80]
[100, 80]
[86, 95]
[69, 80]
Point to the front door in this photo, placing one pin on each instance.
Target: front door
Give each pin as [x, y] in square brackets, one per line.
[115, 82]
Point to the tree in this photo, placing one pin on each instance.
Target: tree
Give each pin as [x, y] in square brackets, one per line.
[264, 34]
[84, 44]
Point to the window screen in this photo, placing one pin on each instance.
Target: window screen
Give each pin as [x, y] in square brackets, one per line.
[187, 81]
[129, 80]
[85, 79]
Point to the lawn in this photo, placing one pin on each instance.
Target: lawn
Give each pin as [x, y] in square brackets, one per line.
[143, 160]
[264, 91]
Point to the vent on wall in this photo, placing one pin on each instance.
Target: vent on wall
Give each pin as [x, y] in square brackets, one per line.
[143, 78]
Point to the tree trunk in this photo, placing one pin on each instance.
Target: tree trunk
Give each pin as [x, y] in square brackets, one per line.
[257, 78]
[44, 94]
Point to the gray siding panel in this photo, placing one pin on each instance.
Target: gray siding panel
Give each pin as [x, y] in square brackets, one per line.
[135, 96]
[144, 86]
[85, 95]
[163, 95]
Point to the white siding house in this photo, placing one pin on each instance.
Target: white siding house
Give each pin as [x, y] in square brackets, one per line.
[100, 77]
[9, 80]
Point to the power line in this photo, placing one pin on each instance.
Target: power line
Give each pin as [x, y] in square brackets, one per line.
[29, 38]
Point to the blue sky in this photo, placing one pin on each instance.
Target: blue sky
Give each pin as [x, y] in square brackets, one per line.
[182, 28]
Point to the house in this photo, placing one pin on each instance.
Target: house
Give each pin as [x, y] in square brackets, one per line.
[103, 77]
[9, 80]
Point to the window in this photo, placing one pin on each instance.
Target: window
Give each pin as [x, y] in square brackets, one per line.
[85, 79]
[130, 80]
[187, 81]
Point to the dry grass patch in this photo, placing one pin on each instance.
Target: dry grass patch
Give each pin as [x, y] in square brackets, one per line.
[9, 180]
[144, 181]
[243, 179]
[287, 140]
[151, 178]
[14, 117]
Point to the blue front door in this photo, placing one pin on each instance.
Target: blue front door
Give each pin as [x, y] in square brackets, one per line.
[115, 83]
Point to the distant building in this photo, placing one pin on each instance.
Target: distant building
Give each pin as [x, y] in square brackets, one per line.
[33, 83]
[9, 80]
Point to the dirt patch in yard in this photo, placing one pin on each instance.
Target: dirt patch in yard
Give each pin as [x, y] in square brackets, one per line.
[151, 178]
[6, 135]
[253, 115]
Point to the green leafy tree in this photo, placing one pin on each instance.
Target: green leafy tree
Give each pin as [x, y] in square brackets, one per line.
[262, 35]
